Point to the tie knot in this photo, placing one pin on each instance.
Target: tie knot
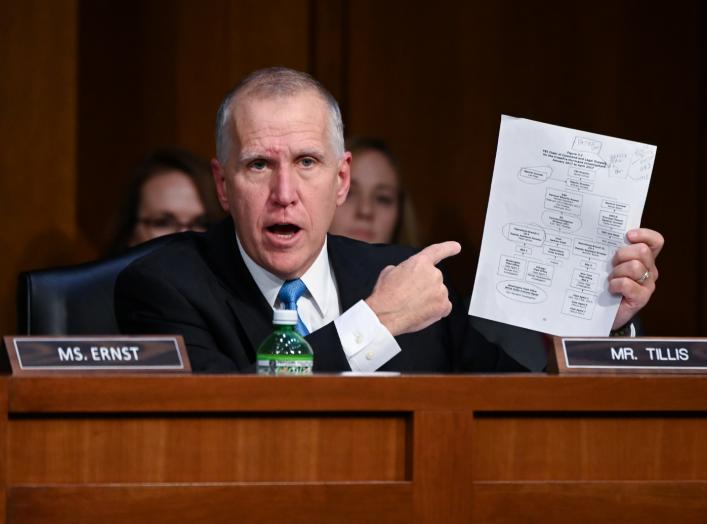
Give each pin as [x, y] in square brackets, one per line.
[291, 291]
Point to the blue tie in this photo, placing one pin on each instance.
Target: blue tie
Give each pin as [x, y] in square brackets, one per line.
[289, 294]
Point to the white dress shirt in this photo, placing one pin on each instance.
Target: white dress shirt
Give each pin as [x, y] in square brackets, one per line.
[367, 343]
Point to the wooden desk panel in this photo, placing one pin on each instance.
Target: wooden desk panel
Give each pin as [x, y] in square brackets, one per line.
[413, 449]
[519, 392]
[593, 447]
[343, 503]
[230, 448]
[590, 502]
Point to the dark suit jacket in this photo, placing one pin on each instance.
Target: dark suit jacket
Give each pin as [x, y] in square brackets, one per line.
[197, 285]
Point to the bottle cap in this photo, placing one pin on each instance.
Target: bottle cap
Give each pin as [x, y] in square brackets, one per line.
[285, 316]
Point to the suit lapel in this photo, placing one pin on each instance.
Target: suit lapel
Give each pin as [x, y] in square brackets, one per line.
[354, 280]
[252, 314]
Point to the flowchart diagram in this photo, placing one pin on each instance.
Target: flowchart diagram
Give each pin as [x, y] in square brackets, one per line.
[555, 255]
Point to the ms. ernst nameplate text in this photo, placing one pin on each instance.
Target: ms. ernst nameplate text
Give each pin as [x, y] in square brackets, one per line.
[97, 353]
[637, 355]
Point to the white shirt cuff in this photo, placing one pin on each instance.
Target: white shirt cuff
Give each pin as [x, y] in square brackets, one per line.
[366, 342]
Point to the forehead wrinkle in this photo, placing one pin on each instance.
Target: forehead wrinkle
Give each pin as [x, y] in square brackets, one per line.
[268, 132]
[312, 126]
[269, 145]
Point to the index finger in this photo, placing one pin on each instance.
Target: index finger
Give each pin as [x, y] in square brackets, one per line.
[435, 253]
[651, 238]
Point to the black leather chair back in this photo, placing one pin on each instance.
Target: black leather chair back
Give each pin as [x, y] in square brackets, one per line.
[73, 300]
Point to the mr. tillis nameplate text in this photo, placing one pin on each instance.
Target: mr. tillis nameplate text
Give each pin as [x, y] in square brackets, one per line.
[631, 355]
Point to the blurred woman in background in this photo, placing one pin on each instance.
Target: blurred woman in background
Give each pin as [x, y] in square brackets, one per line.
[171, 191]
[377, 209]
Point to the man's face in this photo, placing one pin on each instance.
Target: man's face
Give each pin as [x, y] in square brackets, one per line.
[283, 180]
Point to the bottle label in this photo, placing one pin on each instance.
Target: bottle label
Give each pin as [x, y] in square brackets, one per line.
[283, 365]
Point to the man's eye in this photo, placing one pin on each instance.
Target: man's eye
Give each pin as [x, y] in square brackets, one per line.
[258, 165]
[307, 162]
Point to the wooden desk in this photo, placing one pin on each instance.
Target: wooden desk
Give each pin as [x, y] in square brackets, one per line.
[432, 449]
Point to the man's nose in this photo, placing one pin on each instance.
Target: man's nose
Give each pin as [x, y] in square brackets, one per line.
[284, 186]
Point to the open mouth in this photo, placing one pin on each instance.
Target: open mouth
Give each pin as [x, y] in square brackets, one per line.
[284, 230]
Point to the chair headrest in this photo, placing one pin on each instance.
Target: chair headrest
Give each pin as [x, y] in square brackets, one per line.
[74, 300]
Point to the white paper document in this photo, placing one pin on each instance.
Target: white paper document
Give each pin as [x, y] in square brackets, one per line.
[561, 203]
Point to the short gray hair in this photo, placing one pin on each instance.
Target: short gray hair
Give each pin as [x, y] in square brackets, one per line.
[270, 83]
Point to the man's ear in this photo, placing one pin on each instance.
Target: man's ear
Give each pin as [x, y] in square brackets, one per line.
[219, 173]
[343, 179]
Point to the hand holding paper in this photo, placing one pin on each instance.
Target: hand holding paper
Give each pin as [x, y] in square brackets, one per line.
[635, 273]
[562, 203]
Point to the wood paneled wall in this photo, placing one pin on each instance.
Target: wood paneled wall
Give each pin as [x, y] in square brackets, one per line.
[154, 72]
[434, 81]
[38, 179]
[88, 87]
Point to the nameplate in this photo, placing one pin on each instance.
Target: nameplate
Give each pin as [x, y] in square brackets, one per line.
[629, 355]
[134, 354]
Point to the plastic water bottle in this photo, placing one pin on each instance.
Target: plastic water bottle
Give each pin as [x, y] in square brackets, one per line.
[285, 352]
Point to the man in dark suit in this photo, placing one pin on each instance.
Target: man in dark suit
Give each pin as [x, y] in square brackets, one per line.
[198, 285]
[280, 172]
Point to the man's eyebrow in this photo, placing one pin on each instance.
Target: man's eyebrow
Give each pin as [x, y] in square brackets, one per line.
[313, 152]
[249, 156]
